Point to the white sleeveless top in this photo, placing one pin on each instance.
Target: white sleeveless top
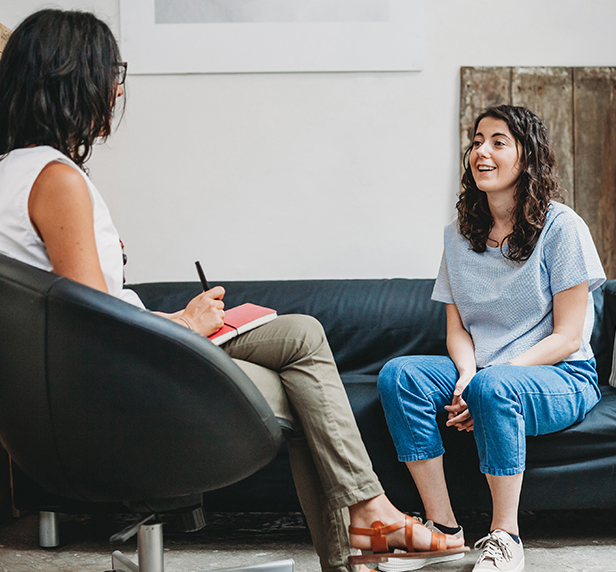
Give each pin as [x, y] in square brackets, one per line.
[18, 238]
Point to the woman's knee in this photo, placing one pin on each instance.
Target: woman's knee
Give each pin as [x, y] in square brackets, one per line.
[490, 385]
[389, 378]
[305, 328]
[395, 373]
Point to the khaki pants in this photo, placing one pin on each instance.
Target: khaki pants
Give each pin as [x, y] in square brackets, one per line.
[290, 362]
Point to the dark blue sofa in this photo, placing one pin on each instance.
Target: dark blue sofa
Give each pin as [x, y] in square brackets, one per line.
[368, 322]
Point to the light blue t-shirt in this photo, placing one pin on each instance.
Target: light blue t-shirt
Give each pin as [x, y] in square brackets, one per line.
[506, 306]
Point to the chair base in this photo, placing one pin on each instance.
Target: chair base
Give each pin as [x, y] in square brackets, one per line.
[149, 549]
[150, 555]
[49, 529]
[123, 564]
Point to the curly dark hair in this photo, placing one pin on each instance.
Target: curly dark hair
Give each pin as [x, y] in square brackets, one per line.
[59, 76]
[537, 185]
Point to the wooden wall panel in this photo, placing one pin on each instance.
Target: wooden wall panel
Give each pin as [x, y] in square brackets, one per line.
[481, 88]
[548, 92]
[4, 37]
[578, 106]
[595, 157]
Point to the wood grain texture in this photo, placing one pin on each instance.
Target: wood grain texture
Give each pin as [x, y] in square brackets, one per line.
[548, 92]
[4, 37]
[595, 157]
[481, 88]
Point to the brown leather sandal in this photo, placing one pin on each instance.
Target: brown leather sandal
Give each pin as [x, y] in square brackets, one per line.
[381, 552]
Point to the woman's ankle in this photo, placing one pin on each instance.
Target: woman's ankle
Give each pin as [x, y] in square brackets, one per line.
[364, 513]
[448, 521]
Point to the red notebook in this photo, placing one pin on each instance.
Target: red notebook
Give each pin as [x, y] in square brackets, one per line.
[242, 319]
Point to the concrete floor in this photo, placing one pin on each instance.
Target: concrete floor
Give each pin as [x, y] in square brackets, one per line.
[570, 541]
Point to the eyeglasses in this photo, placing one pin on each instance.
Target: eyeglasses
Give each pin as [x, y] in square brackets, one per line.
[121, 69]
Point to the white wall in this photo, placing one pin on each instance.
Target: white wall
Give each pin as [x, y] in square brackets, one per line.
[346, 175]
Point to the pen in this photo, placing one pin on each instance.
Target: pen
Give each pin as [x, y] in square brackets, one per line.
[204, 283]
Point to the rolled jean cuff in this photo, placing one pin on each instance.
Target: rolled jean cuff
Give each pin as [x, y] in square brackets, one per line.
[350, 498]
[502, 472]
[421, 456]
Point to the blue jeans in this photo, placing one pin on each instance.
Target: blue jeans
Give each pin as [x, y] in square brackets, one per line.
[506, 403]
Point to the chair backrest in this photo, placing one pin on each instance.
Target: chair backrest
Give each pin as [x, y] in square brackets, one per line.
[102, 401]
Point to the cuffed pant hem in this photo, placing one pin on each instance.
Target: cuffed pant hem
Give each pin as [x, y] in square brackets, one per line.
[421, 456]
[353, 497]
[502, 472]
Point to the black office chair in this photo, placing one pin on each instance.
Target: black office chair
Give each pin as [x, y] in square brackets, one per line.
[103, 402]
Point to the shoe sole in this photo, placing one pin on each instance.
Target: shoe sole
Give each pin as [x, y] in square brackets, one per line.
[518, 568]
[399, 565]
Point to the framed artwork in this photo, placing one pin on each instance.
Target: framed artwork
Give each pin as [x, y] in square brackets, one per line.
[243, 36]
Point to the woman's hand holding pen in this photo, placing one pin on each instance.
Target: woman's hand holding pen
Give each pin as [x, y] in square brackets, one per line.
[459, 415]
[205, 313]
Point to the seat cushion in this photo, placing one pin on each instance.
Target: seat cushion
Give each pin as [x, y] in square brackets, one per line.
[593, 438]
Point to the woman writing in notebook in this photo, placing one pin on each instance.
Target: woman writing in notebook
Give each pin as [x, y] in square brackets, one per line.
[516, 275]
[61, 75]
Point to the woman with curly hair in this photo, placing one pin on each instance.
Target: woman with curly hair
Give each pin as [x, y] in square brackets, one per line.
[517, 273]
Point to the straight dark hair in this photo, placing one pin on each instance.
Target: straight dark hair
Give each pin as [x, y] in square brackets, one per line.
[58, 75]
[537, 185]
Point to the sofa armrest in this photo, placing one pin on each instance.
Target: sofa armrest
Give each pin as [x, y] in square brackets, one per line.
[602, 340]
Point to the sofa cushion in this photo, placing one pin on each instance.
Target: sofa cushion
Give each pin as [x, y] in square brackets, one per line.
[593, 438]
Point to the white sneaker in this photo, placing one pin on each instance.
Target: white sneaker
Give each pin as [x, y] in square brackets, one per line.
[499, 553]
[404, 565]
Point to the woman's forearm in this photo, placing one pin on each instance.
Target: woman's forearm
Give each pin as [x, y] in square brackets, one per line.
[460, 344]
[462, 353]
[566, 338]
[548, 351]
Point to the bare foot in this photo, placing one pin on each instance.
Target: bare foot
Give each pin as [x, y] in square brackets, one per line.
[364, 513]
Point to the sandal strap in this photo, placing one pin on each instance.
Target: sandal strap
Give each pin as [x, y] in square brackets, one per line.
[378, 532]
[438, 542]
[378, 540]
[377, 529]
[408, 533]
